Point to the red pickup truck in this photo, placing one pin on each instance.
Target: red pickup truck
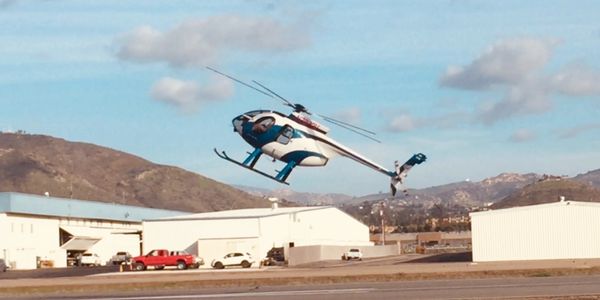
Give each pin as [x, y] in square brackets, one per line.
[160, 258]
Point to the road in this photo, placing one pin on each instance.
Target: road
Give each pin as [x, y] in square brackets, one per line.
[540, 287]
[397, 277]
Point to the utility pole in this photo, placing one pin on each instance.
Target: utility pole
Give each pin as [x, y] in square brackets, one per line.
[382, 227]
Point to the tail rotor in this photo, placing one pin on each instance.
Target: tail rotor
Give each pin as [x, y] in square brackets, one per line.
[401, 171]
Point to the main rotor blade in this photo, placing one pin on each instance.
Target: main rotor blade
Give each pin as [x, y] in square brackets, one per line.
[332, 120]
[290, 104]
[353, 130]
[241, 82]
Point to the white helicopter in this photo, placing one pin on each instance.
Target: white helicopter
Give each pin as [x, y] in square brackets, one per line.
[297, 140]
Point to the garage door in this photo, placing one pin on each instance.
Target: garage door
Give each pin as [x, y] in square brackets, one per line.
[82, 238]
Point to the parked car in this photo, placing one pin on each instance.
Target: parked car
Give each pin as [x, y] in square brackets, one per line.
[120, 258]
[275, 257]
[90, 259]
[3, 266]
[199, 260]
[352, 254]
[160, 258]
[244, 260]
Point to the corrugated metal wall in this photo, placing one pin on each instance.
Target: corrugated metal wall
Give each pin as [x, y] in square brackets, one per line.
[561, 230]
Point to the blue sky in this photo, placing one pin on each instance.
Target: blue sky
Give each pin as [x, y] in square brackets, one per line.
[481, 87]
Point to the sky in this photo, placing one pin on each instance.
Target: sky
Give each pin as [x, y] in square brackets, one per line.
[480, 87]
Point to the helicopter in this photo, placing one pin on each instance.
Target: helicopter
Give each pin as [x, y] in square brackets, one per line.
[297, 140]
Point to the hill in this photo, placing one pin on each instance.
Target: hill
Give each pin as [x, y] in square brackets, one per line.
[592, 178]
[298, 197]
[550, 191]
[464, 194]
[37, 164]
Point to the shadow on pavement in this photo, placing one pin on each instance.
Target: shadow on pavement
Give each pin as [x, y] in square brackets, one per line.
[443, 257]
[57, 272]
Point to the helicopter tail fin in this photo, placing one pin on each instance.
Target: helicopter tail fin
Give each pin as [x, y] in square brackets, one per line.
[402, 171]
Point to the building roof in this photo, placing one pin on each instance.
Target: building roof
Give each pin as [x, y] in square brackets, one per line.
[60, 207]
[536, 206]
[248, 213]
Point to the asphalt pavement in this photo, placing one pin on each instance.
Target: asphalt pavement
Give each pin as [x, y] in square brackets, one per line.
[571, 287]
[422, 276]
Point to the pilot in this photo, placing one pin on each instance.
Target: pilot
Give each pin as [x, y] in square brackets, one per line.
[261, 126]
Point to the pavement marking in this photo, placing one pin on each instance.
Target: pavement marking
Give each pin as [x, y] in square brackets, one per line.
[244, 294]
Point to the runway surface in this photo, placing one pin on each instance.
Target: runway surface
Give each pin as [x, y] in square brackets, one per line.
[395, 277]
[494, 288]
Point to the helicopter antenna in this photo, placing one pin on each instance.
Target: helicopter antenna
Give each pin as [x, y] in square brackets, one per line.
[241, 82]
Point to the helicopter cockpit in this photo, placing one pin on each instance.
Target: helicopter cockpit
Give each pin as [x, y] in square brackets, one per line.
[261, 125]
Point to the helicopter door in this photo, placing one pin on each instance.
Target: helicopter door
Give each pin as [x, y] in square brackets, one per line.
[285, 135]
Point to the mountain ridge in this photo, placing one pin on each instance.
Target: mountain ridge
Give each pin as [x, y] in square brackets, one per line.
[37, 164]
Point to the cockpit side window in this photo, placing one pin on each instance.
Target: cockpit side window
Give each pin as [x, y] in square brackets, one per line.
[286, 134]
[263, 124]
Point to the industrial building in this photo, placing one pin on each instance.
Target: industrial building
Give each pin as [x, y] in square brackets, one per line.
[559, 230]
[256, 231]
[38, 231]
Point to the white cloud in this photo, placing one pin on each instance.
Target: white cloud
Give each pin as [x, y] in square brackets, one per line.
[402, 123]
[514, 68]
[350, 115]
[201, 42]
[576, 80]
[575, 131]
[188, 95]
[524, 99]
[522, 135]
[406, 122]
[506, 62]
[7, 3]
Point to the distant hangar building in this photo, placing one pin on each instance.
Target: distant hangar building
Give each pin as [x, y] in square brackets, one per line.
[256, 231]
[38, 231]
[559, 230]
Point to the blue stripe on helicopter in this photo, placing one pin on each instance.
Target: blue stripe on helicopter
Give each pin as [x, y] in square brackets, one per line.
[299, 156]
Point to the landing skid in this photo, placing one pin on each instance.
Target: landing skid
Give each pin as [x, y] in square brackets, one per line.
[224, 156]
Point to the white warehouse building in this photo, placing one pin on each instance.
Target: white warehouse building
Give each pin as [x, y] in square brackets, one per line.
[559, 230]
[38, 231]
[256, 231]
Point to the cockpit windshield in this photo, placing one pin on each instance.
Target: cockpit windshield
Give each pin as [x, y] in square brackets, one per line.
[254, 113]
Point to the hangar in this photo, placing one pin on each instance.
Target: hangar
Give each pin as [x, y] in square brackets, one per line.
[256, 231]
[42, 231]
[559, 230]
